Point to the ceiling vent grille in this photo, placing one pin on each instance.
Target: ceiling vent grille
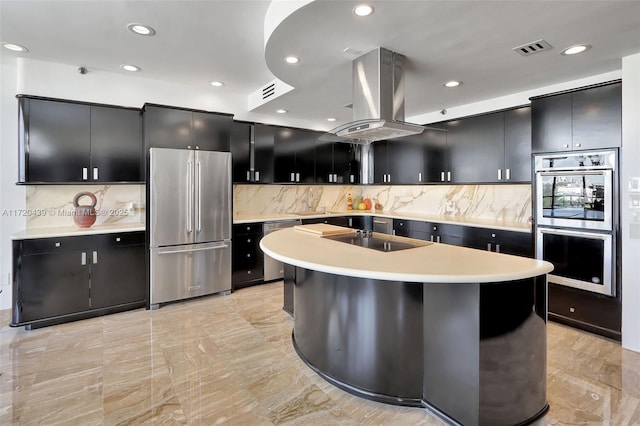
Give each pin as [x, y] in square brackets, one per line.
[268, 90]
[532, 48]
[267, 93]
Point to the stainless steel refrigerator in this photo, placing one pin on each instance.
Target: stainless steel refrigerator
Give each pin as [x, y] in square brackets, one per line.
[190, 224]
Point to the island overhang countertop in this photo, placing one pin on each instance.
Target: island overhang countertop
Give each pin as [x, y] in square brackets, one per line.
[427, 262]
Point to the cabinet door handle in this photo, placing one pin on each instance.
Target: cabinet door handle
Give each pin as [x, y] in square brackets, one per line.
[389, 178]
[335, 178]
[248, 175]
[83, 258]
[566, 145]
[350, 222]
[488, 246]
[293, 177]
[257, 175]
[95, 173]
[497, 248]
[499, 174]
[419, 177]
[384, 178]
[508, 173]
[95, 257]
[431, 238]
[438, 239]
[448, 176]
[189, 196]
[297, 177]
[441, 176]
[351, 179]
[330, 178]
[578, 145]
[85, 173]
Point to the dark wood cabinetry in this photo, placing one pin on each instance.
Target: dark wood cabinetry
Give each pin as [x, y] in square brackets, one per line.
[429, 231]
[247, 259]
[252, 152]
[336, 162]
[72, 142]
[68, 278]
[517, 145]
[499, 241]
[169, 127]
[590, 118]
[294, 155]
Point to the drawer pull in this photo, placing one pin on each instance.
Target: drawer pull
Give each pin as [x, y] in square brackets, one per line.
[57, 244]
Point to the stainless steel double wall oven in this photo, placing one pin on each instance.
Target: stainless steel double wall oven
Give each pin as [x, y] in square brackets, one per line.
[576, 218]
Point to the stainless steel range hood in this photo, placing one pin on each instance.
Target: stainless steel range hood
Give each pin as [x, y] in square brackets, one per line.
[378, 100]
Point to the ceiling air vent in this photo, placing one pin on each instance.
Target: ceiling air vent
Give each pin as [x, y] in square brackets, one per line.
[268, 90]
[267, 93]
[533, 47]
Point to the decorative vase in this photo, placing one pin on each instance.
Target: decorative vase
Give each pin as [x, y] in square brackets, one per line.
[84, 216]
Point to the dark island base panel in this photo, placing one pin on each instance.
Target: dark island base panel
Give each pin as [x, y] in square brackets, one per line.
[474, 354]
[77, 316]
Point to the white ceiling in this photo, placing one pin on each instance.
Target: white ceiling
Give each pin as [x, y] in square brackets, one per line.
[200, 41]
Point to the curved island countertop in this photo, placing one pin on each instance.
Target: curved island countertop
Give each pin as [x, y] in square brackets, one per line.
[460, 332]
[427, 262]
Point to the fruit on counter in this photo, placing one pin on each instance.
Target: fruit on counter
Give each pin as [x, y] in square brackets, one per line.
[349, 202]
[362, 206]
[367, 204]
[378, 206]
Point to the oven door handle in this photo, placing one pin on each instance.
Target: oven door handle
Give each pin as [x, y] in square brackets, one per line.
[592, 172]
[591, 235]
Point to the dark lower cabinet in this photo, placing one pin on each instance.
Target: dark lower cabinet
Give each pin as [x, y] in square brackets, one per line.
[499, 241]
[429, 231]
[247, 258]
[63, 279]
[585, 310]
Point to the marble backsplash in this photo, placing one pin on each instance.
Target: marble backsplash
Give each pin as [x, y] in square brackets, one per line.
[501, 202]
[52, 205]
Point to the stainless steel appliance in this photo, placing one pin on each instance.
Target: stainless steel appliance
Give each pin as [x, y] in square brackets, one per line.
[383, 225]
[575, 190]
[189, 224]
[274, 269]
[576, 218]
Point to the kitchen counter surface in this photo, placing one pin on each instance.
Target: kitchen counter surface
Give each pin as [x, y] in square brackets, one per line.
[72, 231]
[475, 222]
[430, 263]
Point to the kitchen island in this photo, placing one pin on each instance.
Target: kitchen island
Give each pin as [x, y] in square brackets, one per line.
[461, 332]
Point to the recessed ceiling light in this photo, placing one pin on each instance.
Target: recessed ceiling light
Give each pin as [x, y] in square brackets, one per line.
[281, 111]
[141, 29]
[131, 68]
[216, 83]
[452, 83]
[15, 47]
[573, 50]
[331, 119]
[291, 60]
[363, 10]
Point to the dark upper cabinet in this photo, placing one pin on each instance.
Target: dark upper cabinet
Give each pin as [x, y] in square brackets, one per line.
[476, 148]
[388, 162]
[597, 117]
[324, 162]
[116, 144]
[336, 162]
[63, 142]
[436, 155]
[380, 168]
[551, 124]
[294, 155]
[241, 152]
[517, 145]
[585, 119]
[263, 153]
[167, 127]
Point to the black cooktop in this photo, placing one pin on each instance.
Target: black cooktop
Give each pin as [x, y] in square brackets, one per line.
[374, 242]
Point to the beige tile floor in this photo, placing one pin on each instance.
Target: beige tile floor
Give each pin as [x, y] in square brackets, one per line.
[229, 360]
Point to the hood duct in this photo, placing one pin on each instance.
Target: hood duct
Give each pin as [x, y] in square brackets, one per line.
[378, 100]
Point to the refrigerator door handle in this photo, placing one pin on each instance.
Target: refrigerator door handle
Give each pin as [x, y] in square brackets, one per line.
[199, 197]
[189, 197]
[192, 248]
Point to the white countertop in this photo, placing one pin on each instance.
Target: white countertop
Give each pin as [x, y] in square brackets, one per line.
[475, 222]
[72, 231]
[434, 263]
